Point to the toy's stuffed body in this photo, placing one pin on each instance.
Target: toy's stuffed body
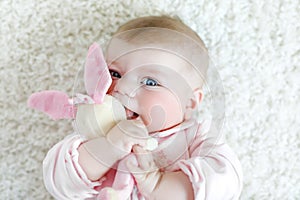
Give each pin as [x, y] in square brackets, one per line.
[95, 114]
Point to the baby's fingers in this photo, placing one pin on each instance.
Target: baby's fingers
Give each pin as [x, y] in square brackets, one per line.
[142, 169]
[144, 159]
[134, 168]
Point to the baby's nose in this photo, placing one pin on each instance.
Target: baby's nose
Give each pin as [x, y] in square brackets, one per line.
[127, 86]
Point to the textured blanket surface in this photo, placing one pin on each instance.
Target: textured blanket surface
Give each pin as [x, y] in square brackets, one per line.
[255, 46]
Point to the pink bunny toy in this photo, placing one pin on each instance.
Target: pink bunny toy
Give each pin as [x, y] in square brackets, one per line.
[97, 79]
[58, 105]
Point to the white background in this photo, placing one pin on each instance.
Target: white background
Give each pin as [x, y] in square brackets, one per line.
[254, 44]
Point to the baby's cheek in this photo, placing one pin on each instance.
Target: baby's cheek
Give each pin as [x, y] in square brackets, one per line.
[160, 110]
[174, 113]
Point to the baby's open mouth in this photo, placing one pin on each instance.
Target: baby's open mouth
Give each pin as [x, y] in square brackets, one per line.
[130, 114]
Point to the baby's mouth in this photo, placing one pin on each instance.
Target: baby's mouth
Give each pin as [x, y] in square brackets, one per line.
[130, 114]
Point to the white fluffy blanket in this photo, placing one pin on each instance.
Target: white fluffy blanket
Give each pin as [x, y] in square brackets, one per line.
[255, 46]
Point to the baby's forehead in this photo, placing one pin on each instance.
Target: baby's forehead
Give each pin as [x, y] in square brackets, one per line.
[149, 58]
[163, 47]
[156, 38]
[164, 65]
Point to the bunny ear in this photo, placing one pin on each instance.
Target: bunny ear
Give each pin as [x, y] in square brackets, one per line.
[54, 103]
[96, 74]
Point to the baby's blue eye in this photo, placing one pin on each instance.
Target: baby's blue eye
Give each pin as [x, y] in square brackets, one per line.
[149, 82]
[114, 74]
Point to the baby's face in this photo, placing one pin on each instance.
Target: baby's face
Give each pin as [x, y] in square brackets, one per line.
[153, 85]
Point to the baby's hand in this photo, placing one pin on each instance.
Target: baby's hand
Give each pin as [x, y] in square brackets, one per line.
[144, 170]
[128, 133]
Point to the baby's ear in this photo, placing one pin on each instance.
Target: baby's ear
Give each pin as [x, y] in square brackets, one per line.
[96, 74]
[193, 103]
[197, 98]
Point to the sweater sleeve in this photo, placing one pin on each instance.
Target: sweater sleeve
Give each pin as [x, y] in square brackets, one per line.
[63, 176]
[213, 168]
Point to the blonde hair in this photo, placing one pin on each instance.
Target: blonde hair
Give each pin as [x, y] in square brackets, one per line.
[161, 22]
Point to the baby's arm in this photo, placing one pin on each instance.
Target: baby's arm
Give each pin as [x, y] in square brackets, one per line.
[217, 175]
[174, 184]
[67, 176]
[213, 169]
[152, 183]
[63, 176]
[212, 172]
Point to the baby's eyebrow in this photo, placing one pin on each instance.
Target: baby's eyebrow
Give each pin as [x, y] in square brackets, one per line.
[156, 72]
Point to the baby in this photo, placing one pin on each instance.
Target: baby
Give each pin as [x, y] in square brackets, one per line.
[158, 68]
